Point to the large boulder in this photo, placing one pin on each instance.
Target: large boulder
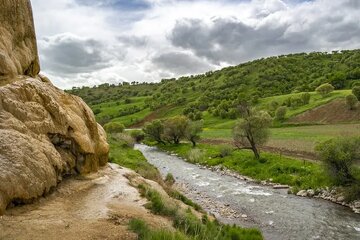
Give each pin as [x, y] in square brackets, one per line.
[18, 50]
[45, 133]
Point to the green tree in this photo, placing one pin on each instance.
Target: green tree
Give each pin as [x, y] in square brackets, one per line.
[175, 128]
[356, 92]
[252, 130]
[351, 101]
[280, 113]
[325, 89]
[154, 130]
[193, 131]
[339, 156]
[114, 127]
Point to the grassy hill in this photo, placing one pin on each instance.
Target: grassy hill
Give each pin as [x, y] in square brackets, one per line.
[214, 96]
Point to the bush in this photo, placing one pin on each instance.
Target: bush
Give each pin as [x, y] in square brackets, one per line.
[339, 155]
[356, 92]
[169, 179]
[97, 111]
[195, 155]
[305, 97]
[325, 89]
[114, 127]
[281, 113]
[351, 101]
[124, 139]
[225, 150]
[154, 131]
[137, 135]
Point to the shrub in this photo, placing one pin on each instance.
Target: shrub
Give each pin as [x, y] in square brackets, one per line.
[351, 101]
[114, 127]
[124, 139]
[97, 111]
[305, 97]
[195, 155]
[280, 113]
[325, 89]
[356, 92]
[339, 155]
[175, 128]
[225, 150]
[169, 179]
[137, 135]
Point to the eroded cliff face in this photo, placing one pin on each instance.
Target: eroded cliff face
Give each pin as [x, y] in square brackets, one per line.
[45, 133]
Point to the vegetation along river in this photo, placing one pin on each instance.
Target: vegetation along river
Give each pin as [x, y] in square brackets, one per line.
[278, 214]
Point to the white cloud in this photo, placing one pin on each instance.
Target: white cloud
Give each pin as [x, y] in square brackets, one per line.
[146, 40]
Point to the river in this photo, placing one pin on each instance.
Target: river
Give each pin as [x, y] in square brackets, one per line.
[278, 214]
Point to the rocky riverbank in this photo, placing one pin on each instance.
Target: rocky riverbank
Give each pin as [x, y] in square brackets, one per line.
[330, 194]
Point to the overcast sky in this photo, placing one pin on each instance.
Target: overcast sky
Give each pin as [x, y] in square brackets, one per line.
[89, 42]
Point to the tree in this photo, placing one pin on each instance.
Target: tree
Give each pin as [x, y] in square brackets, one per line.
[193, 131]
[324, 89]
[137, 135]
[280, 113]
[154, 131]
[339, 155]
[305, 97]
[356, 92]
[114, 127]
[351, 101]
[252, 130]
[175, 128]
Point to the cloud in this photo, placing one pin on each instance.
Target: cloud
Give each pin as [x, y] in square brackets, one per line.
[180, 63]
[67, 54]
[87, 42]
[303, 28]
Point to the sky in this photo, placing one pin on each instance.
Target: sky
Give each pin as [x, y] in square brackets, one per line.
[90, 42]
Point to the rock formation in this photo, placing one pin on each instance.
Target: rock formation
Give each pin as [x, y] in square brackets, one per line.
[45, 133]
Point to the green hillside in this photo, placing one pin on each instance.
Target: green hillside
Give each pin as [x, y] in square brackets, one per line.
[214, 96]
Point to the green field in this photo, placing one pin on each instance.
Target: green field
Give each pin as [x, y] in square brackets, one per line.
[301, 138]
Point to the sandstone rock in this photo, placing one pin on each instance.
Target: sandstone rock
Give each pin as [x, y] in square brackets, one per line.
[302, 193]
[45, 133]
[18, 50]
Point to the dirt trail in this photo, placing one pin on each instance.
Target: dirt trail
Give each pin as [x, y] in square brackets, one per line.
[98, 206]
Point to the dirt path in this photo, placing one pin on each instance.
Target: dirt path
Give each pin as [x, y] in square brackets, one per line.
[96, 207]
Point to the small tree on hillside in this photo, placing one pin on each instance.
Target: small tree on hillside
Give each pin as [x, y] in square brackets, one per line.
[154, 130]
[175, 128]
[339, 155]
[193, 131]
[252, 130]
[351, 101]
[325, 89]
[356, 92]
[280, 113]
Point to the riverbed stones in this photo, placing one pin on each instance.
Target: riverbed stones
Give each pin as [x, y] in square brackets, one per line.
[302, 193]
[310, 192]
[280, 186]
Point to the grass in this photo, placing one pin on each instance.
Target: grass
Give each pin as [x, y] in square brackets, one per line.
[128, 157]
[187, 225]
[316, 100]
[296, 138]
[284, 170]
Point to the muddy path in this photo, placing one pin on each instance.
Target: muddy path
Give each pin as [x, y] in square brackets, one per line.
[277, 214]
[98, 206]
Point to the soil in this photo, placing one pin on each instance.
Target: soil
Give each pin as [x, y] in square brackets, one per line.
[149, 118]
[98, 206]
[336, 111]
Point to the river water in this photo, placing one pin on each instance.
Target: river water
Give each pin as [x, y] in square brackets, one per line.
[278, 214]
